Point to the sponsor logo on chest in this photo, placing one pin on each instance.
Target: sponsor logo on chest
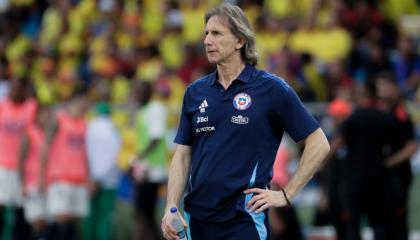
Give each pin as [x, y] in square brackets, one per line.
[239, 119]
[202, 119]
[205, 129]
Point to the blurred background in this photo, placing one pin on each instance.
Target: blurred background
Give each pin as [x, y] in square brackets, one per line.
[105, 48]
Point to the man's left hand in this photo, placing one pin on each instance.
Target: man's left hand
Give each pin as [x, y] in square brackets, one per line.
[264, 199]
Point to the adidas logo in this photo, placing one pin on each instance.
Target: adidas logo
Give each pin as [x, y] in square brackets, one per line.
[203, 106]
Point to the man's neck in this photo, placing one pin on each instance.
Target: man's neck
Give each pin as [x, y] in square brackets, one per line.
[228, 72]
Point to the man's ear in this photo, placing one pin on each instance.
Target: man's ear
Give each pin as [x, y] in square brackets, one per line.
[240, 43]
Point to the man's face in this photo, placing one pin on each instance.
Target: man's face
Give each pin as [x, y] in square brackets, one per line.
[387, 91]
[144, 92]
[17, 90]
[81, 104]
[219, 41]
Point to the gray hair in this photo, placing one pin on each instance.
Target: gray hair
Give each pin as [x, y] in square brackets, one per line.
[240, 28]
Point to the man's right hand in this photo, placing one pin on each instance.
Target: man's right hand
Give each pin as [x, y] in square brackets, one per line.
[168, 231]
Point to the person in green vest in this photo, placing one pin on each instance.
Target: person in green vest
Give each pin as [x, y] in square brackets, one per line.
[149, 169]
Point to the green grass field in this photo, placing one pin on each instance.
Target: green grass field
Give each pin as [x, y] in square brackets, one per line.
[414, 209]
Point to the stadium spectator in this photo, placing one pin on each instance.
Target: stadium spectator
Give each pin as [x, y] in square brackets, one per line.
[406, 66]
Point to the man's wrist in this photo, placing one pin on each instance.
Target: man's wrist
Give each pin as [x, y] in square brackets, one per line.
[285, 196]
[289, 193]
[169, 206]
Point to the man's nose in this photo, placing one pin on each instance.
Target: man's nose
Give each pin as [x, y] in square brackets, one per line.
[207, 39]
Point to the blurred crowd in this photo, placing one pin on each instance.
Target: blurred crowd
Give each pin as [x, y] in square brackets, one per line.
[321, 47]
[116, 70]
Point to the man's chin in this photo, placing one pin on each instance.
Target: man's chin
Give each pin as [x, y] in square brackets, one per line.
[212, 60]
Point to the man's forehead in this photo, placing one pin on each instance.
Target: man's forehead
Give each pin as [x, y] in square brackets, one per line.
[217, 21]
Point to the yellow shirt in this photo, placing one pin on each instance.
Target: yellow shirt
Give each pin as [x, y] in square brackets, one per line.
[152, 18]
[174, 102]
[67, 66]
[302, 7]
[316, 82]
[252, 12]
[70, 43]
[45, 89]
[268, 43]
[17, 69]
[393, 9]
[103, 65]
[193, 23]
[300, 40]
[22, 3]
[326, 44]
[128, 138]
[45, 86]
[279, 8]
[51, 25]
[97, 45]
[331, 44]
[149, 70]
[17, 48]
[125, 41]
[171, 47]
[120, 90]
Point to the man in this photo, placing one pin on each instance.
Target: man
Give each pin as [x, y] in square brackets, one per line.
[362, 191]
[17, 112]
[29, 171]
[4, 80]
[231, 126]
[334, 171]
[149, 169]
[403, 145]
[102, 146]
[65, 169]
